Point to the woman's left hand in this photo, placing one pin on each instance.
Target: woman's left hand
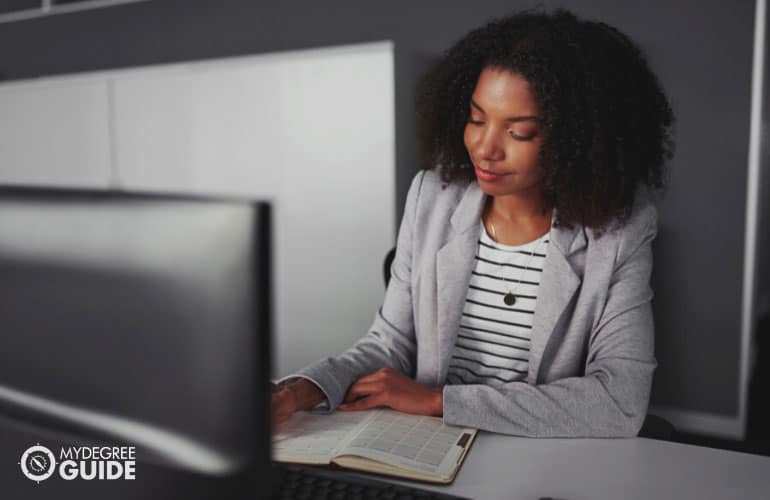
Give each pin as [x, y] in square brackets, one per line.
[388, 387]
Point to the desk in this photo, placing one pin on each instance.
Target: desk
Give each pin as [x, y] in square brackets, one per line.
[511, 468]
[497, 467]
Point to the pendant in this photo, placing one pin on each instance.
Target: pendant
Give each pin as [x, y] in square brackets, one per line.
[509, 299]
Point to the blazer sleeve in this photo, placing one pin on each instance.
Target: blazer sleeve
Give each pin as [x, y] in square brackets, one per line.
[390, 341]
[611, 399]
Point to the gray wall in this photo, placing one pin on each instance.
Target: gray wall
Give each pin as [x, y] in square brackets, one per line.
[701, 50]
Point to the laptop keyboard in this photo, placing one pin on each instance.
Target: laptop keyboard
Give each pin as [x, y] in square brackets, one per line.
[302, 483]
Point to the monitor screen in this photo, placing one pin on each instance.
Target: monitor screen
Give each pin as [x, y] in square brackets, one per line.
[139, 320]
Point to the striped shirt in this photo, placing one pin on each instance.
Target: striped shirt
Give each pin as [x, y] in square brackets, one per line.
[492, 346]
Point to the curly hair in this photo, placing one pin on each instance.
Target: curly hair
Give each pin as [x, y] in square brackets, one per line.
[607, 125]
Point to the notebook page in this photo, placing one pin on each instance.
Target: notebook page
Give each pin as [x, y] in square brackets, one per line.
[410, 441]
[315, 438]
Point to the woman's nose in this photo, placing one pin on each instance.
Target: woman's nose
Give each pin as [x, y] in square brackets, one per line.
[488, 146]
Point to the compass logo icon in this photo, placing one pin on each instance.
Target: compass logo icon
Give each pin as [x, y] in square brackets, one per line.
[38, 463]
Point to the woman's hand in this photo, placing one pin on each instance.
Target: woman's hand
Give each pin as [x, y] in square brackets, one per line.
[298, 394]
[282, 405]
[388, 387]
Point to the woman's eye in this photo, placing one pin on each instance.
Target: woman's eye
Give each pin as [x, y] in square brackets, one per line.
[473, 121]
[526, 137]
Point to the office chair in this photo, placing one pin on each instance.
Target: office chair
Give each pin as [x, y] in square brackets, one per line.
[653, 427]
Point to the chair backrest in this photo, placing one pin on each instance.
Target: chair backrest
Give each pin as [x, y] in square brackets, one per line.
[386, 265]
[655, 427]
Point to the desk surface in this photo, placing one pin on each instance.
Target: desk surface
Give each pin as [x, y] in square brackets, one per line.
[497, 467]
[505, 467]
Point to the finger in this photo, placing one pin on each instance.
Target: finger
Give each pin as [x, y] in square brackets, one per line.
[361, 389]
[353, 394]
[281, 408]
[362, 404]
[284, 401]
[280, 419]
[366, 378]
[277, 415]
[378, 375]
[280, 424]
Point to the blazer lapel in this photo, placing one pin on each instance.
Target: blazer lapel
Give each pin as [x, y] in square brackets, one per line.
[557, 287]
[454, 263]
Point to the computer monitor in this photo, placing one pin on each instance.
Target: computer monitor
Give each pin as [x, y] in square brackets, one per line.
[139, 320]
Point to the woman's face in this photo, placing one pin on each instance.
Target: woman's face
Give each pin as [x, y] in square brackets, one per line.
[503, 134]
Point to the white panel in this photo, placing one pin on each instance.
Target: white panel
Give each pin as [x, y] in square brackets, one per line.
[337, 200]
[199, 128]
[311, 130]
[55, 133]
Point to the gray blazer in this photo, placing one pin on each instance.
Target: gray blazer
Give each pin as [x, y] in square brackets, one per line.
[591, 355]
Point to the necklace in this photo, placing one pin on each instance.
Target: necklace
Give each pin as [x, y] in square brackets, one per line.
[510, 297]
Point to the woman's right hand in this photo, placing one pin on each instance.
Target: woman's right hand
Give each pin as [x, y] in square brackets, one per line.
[298, 394]
[282, 405]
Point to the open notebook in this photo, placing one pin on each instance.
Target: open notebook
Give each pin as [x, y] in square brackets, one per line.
[382, 441]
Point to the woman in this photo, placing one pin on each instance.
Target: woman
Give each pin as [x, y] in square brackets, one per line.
[519, 300]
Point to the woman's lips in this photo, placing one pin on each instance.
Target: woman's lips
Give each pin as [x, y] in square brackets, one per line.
[487, 176]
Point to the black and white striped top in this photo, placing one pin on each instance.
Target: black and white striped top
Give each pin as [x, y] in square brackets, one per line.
[493, 342]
